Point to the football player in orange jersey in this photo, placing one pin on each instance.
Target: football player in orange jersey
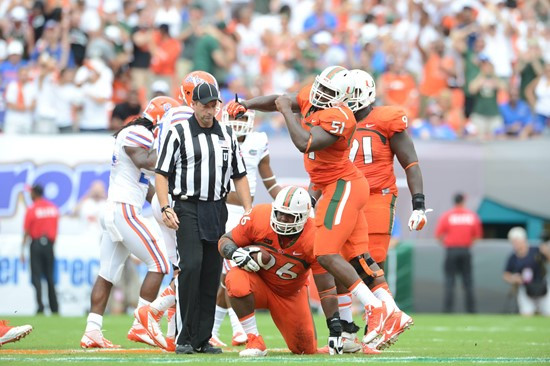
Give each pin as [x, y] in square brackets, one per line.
[382, 134]
[285, 230]
[324, 136]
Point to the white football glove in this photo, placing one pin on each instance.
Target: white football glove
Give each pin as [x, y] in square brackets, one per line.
[335, 345]
[335, 340]
[242, 258]
[418, 219]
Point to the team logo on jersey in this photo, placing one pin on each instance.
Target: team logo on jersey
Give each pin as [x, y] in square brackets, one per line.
[253, 152]
[267, 241]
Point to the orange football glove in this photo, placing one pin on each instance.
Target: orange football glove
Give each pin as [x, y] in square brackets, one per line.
[235, 109]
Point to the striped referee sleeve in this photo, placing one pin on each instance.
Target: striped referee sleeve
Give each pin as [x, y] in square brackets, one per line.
[238, 168]
[166, 158]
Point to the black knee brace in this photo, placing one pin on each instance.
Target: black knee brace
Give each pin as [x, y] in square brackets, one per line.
[367, 268]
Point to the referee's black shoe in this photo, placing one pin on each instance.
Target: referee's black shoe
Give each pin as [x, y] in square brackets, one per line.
[185, 349]
[208, 348]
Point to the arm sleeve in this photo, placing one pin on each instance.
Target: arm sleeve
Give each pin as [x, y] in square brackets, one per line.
[169, 152]
[397, 121]
[238, 168]
[138, 137]
[244, 233]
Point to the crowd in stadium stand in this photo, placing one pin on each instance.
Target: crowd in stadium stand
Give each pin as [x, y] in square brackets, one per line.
[475, 69]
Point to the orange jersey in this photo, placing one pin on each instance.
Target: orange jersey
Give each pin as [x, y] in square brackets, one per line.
[371, 152]
[290, 272]
[330, 164]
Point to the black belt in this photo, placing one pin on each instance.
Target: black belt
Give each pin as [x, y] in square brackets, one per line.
[184, 198]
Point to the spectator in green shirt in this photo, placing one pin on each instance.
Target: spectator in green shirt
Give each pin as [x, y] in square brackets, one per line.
[484, 89]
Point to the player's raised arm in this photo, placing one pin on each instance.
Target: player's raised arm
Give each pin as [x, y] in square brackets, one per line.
[264, 104]
[306, 141]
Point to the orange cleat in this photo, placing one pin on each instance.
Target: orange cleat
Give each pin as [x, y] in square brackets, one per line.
[95, 339]
[369, 350]
[323, 350]
[255, 347]
[12, 334]
[150, 321]
[170, 344]
[376, 317]
[396, 324]
[138, 334]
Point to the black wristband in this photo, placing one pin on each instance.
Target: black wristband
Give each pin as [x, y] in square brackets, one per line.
[164, 208]
[334, 325]
[418, 201]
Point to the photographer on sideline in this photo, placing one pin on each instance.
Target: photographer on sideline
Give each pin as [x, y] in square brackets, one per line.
[526, 269]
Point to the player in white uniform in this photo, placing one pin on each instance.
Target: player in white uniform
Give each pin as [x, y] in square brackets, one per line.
[256, 158]
[166, 301]
[125, 230]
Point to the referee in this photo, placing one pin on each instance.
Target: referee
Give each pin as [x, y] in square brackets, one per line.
[195, 163]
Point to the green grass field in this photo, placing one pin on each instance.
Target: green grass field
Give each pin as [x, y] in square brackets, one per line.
[434, 339]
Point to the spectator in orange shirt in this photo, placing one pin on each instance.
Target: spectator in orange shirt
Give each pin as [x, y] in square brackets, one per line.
[437, 70]
[398, 87]
[165, 52]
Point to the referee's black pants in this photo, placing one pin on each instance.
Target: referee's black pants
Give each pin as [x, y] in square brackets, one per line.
[42, 264]
[197, 284]
[458, 261]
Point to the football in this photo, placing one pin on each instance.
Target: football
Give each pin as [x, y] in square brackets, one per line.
[264, 259]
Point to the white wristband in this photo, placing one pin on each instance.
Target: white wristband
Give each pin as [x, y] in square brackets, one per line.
[268, 179]
[273, 186]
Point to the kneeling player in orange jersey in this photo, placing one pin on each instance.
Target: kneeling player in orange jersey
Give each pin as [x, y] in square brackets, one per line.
[286, 232]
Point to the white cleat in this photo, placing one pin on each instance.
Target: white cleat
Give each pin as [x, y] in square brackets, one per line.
[12, 334]
[216, 341]
[95, 339]
[351, 343]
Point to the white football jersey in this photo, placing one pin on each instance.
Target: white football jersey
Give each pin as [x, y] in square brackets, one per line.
[127, 183]
[172, 116]
[254, 149]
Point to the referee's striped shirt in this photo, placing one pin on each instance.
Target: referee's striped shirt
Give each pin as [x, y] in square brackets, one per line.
[199, 162]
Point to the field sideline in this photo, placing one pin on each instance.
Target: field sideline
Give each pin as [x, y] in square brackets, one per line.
[434, 339]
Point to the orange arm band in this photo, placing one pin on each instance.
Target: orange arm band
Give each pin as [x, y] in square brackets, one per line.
[411, 165]
[308, 143]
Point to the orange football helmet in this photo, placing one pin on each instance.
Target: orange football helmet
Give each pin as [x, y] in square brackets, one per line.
[157, 107]
[191, 80]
